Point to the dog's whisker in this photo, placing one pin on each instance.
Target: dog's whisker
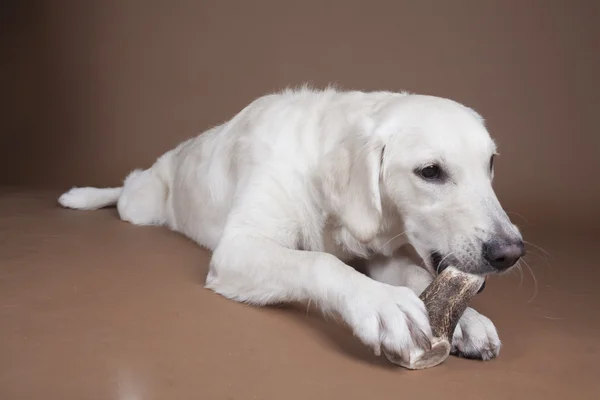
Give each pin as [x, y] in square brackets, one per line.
[544, 260]
[521, 276]
[535, 282]
[437, 267]
[446, 256]
[388, 242]
[519, 268]
[539, 248]
[519, 215]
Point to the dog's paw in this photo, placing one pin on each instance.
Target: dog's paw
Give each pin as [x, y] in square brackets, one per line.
[390, 319]
[475, 337]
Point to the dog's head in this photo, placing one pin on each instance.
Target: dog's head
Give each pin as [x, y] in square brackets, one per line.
[432, 161]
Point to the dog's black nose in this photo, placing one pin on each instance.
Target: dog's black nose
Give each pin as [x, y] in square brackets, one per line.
[502, 254]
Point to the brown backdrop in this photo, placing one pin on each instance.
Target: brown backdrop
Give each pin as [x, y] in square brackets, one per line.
[96, 88]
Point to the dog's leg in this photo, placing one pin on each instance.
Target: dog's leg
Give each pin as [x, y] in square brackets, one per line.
[475, 335]
[260, 271]
[144, 197]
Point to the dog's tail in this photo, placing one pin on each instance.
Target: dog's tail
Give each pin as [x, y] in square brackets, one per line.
[90, 198]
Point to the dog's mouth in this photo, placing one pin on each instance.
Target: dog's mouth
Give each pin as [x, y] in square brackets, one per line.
[439, 263]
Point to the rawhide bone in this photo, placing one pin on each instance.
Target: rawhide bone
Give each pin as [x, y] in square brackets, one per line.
[446, 298]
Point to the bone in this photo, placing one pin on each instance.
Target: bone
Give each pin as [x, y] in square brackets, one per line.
[446, 298]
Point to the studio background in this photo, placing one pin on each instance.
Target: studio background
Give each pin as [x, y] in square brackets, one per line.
[97, 88]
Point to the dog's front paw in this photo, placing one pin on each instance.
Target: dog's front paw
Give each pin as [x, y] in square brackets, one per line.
[475, 337]
[390, 319]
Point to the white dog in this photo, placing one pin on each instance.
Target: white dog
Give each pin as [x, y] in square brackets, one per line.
[300, 183]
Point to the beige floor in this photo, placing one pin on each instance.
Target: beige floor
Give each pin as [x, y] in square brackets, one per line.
[94, 308]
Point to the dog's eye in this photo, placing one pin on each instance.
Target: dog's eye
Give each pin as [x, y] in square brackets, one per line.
[491, 163]
[432, 172]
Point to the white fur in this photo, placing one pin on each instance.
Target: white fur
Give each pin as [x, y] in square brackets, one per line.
[301, 182]
[90, 198]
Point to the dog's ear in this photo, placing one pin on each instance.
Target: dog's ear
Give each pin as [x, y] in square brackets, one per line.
[350, 183]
